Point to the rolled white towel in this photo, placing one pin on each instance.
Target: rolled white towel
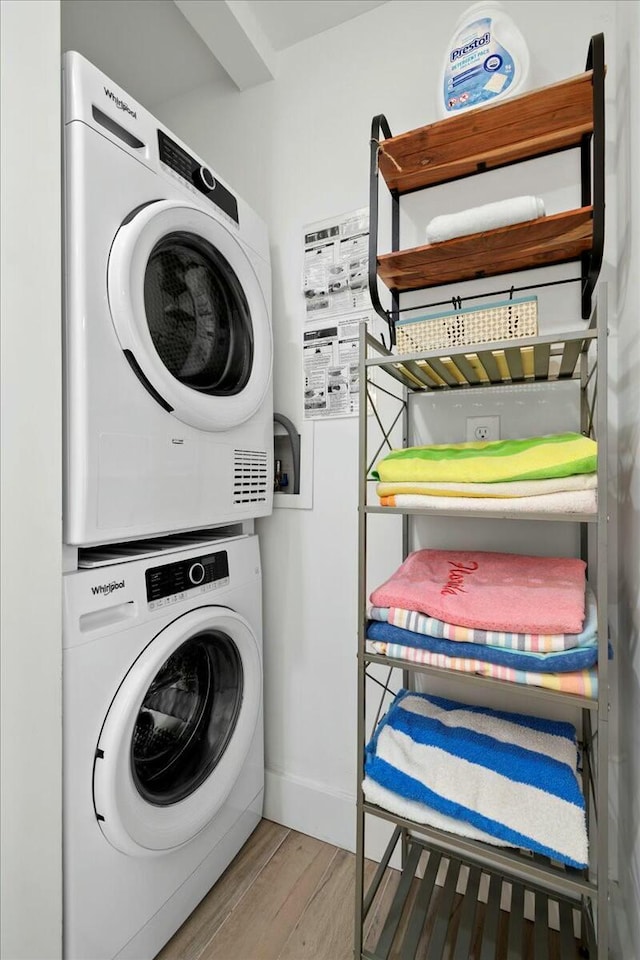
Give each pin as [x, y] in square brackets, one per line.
[487, 217]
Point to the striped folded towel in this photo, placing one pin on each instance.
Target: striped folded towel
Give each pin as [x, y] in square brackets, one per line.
[534, 642]
[563, 661]
[532, 458]
[420, 813]
[582, 683]
[511, 776]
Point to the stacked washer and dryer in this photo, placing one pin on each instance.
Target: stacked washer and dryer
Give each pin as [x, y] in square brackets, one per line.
[168, 459]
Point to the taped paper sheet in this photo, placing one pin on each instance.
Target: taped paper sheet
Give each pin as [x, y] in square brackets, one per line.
[330, 359]
[336, 297]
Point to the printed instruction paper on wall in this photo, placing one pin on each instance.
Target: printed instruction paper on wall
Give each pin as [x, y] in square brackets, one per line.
[331, 380]
[336, 294]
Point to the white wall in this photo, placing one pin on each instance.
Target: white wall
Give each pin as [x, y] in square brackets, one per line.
[30, 367]
[628, 333]
[297, 149]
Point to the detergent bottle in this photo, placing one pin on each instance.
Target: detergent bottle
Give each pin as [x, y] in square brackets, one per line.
[487, 60]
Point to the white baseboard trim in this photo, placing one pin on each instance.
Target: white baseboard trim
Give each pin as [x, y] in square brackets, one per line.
[311, 808]
[329, 815]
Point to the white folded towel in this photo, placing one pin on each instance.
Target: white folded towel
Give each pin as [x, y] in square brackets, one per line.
[487, 217]
[572, 501]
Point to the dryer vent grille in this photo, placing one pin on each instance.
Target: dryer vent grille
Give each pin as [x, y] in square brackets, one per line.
[249, 476]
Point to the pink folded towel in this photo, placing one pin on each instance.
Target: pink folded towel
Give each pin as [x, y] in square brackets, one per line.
[490, 591]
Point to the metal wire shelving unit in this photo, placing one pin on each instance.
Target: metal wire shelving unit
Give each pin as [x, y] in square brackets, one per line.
[569, 907]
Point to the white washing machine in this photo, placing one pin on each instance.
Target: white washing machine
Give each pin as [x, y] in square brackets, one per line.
[163, 740]
[168, 342]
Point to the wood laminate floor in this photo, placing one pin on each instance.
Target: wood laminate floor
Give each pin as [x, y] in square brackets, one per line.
[287, 896]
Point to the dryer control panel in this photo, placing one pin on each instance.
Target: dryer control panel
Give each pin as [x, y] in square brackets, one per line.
[196, 175]
[177, 581]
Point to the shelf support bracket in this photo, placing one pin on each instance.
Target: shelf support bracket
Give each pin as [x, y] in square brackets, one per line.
[595, 144]
[380, 126]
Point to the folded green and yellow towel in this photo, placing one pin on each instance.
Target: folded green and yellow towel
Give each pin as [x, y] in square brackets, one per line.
[532, 458]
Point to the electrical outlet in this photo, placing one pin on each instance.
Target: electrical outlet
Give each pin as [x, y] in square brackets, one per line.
[483, 428]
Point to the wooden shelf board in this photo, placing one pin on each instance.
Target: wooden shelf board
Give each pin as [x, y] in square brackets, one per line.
[559, 238]
[546, 120]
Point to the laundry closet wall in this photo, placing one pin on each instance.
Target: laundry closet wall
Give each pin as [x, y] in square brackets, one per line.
[31, 481]
[627, 154]
[297, 149]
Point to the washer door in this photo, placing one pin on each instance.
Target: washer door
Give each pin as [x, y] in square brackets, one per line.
[178, 732]
[190, 315]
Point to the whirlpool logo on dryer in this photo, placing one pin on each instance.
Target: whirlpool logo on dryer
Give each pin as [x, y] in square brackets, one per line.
[120, 104]
[106, 588]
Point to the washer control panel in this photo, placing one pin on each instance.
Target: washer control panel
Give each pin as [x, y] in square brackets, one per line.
[177, 581]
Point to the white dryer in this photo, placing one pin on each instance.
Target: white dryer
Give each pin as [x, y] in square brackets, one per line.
[168, 341]
[163, 740]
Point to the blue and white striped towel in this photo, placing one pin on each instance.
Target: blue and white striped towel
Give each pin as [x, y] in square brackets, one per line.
[564, 661]
[505, 778]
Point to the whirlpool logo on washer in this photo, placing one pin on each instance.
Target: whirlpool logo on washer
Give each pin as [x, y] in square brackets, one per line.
[120, 104]
[105, 589]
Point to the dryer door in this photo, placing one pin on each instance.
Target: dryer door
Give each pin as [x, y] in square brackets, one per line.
[190, 314]
[178, 732]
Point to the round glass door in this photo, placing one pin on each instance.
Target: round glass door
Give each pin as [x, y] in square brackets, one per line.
[188, 303]
[180, 730]
[187, 718]
[198, 315]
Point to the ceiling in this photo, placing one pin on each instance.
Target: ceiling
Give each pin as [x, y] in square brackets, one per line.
[286, 22]
[145, 46]
[154, 53]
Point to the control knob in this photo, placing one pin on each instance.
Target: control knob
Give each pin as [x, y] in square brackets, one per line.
[204, 179]
[196, 573]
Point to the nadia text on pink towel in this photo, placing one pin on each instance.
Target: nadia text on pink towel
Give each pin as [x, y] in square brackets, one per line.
[490, 591]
